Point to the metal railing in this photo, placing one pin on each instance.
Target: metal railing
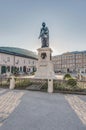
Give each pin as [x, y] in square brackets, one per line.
[22, 83]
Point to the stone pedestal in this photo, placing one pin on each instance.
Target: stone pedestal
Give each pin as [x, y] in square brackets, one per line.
[45, 68]
[12, 82]
[50, 85]
[0, 69]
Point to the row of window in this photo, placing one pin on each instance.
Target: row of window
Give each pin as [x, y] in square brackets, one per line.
[77, 56]
[17, 61]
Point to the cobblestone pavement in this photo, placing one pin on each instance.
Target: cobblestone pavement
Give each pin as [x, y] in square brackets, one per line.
[26, 110]
[8, 102]
[78, 105]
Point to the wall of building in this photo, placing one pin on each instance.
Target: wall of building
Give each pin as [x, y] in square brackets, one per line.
[70, 62]
[67, 62]
[8, 61]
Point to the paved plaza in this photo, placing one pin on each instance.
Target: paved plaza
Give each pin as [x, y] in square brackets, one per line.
[27, 110]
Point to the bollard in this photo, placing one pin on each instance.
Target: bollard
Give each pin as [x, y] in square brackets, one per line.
[12, 82]
[50, 85]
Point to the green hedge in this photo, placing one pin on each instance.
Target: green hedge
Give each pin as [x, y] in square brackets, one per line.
[22, 84]
[67, 76]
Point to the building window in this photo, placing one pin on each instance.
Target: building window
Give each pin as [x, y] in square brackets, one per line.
[8, 68]
[8, 59]
[5, 61]
[17, 61]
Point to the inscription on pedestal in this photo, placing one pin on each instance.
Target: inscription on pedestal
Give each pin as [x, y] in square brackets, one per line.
[43, 64]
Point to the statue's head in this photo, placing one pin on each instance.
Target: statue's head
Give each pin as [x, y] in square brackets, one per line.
[43, 24]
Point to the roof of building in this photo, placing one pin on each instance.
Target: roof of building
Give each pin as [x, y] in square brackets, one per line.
[73, 52]
[77, 52]
[18, 52]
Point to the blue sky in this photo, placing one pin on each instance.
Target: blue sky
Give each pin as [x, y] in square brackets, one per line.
[20, 23]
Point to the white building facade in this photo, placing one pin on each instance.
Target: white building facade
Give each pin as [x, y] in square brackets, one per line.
[9, 61]
[70, 62]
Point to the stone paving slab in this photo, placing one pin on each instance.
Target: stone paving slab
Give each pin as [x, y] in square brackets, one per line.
[82, 97]
[2, 91]
[8, 102]
[79, 106]
[26, 110]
